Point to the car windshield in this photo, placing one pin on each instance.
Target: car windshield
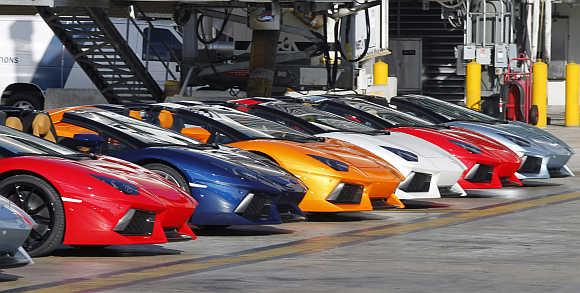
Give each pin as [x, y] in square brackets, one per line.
[328, 121]
[19, 143]
[393, 117]
[450, 111]
[141, 131]
[256, 127]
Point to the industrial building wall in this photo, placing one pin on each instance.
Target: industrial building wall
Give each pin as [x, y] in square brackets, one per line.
[565, 34]
[573, 14]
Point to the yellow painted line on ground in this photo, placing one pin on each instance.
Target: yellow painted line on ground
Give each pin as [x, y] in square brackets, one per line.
[308, 246]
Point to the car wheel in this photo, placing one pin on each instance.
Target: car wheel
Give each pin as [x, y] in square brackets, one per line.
[26, 100]
[170, 174]
[39, 199]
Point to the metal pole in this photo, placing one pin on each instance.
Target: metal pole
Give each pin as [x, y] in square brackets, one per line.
[148, 49]
[468, 23]
[264, 49]
[484, 23]
[190, 50]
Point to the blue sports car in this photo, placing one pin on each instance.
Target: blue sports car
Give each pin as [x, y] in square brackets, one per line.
[232, 186]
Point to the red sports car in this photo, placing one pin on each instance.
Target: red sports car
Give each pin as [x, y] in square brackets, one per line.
[81, 200]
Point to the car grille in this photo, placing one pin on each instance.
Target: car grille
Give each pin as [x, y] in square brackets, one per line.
[531, 165]
[345, 193]
[480, 173]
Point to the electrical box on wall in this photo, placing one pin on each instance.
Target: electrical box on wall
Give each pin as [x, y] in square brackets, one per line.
[501, 56]
[406, 63]
[483, 56]
[468, 52]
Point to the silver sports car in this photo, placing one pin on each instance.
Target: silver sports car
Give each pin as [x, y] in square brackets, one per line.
[15, 225]
[543, 154]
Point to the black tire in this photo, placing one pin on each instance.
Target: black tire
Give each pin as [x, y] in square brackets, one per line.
[41, 201]
[27, 100]
[534, 115]
[170, 174]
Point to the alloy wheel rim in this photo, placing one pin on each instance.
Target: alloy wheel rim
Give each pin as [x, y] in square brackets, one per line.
[168, 177]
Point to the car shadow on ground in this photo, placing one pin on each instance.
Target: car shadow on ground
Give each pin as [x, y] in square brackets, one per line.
[4, 277]
[532, 183]
[342, 217]
[423, 204]
[241, 231]
[115, 251]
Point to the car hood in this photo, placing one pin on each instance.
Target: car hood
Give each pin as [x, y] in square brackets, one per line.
[401, 141]
[538, 135]
[345, 154]
[495, 131]
[143, 178]
[237, 164]
[331, 151]
[489, 147]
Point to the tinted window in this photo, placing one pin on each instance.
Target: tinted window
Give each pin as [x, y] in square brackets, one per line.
[321, 118]
[448, 110]
[139, 130]
[256, 127]
[391, 116]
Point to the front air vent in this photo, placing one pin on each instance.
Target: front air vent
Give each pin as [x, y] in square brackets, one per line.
[480, 174]
[345, 193]
[136, 223]
[255, 207]
[416, 182]
[531, 165]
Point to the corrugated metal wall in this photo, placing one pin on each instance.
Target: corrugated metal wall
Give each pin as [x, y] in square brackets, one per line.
[411, 19]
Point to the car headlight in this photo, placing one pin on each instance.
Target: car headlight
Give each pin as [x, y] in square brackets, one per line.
[466, 146]
[517, 140]
[334, 164]
[408, 156]
[122, 186]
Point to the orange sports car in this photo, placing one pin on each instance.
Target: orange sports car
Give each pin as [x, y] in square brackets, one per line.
[339, 178]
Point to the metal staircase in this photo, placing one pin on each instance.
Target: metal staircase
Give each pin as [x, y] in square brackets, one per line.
[104, 55]
[412, 19]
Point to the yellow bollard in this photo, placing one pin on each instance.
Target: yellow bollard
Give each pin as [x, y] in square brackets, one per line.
[572, 80]
[540, 92]
[473, 86]
[380, 73]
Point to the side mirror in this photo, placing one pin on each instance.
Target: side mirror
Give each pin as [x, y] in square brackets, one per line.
[196, 133]
[88, 139]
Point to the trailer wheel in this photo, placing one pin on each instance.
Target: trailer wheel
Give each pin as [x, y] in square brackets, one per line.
[25, 100]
